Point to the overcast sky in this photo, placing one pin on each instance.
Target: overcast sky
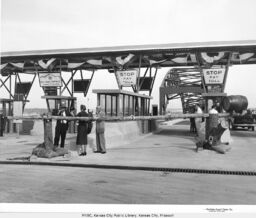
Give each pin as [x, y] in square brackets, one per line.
[51, 24]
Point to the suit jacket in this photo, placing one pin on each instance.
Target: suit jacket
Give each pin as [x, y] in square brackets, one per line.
[100, 125]
[68, 114]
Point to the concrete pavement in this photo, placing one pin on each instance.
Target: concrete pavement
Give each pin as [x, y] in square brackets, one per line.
[172, 147]
[52, 184]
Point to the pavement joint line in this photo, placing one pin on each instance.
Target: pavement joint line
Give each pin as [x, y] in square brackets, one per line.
[119, 167]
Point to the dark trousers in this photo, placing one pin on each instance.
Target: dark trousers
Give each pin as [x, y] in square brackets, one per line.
[60, 131]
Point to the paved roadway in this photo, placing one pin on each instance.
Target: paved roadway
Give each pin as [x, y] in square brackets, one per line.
[50, 184]
[170, 148]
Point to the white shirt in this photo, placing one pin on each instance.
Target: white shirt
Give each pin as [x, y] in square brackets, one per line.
[64, 115]
[213, 111]
[199, 110]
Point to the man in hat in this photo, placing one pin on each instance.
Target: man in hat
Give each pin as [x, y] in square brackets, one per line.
[100, 132]
[61, 126]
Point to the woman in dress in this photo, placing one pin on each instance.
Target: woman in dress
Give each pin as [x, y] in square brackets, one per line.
[81, 139]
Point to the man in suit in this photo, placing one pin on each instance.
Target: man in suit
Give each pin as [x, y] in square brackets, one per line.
[61, 127]
[100, 132]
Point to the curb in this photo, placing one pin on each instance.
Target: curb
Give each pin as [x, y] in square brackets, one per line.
[119, 167]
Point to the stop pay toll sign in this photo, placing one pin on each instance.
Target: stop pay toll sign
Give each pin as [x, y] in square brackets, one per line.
[214, 76]
[127, 77]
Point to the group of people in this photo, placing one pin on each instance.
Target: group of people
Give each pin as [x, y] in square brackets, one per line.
[83, 129]
[195, 122]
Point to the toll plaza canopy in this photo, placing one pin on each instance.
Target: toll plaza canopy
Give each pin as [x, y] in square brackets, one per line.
[125, 57]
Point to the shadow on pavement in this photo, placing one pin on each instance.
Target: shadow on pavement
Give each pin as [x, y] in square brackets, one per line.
[175, 132]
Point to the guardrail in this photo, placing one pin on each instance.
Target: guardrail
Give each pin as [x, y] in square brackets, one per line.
[116, 118]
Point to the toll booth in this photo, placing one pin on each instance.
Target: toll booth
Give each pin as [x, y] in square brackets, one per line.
[54, 103]
[117, 102]
[6, 109]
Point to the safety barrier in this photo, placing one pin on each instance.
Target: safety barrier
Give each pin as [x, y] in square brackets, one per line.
[117, 118]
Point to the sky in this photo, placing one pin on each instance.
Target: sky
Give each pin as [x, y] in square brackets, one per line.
[59, 24]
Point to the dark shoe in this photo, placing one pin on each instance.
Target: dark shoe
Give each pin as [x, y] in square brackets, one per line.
[84, 153]
[97, 152]
[103, 152]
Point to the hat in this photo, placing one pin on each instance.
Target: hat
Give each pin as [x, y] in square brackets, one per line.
[83, 107]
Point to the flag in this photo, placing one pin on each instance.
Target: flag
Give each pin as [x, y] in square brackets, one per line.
[3, 66]
[180, 60]
[123, 61]
[75, 65]
[151, 62]
[94, 62]
[18, 65]
[245, 56]
[210, 59]
[48, 65]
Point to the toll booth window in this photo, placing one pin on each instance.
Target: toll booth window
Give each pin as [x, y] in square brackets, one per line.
[131, 111]
[8, 109]
[108, 105]
[142, 107]
[139, 106]
[126, 105]
[102, 101]
[121, 107]
[114, 111]
[146, 107]
[136, 106]
[52, 104]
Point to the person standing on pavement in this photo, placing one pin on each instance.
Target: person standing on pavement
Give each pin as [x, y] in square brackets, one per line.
[81, 139]
[100, 132]
[198, 121]
[61, 126]
[192, 121]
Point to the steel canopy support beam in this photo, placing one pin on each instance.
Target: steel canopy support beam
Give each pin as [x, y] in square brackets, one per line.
[153, 81]
[226, 71]
[86, 91]
[30, 86]
[199, 61]
[143, 78]
[3, 82]
[137, 89]
[66, 84]
[25, 94]
[8, 89]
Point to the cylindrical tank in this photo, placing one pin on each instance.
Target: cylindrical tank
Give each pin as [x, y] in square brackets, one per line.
[236, 103]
